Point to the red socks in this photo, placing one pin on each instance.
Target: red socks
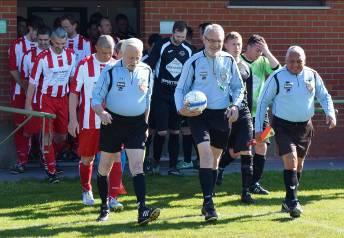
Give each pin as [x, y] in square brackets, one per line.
[116, 186]
[85, 172]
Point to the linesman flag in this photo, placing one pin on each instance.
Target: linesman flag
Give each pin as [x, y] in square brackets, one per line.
[267, 133]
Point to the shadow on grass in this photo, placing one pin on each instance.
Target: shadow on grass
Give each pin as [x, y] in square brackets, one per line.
[100, 229]
[33, 198]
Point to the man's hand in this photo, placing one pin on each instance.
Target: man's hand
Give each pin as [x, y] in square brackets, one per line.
[105, 117]
[24, 84]
[73, 128]
[185, 111]
[258, 137]
[264, 48]
[28, 106]
[331, 121]
[232, 114]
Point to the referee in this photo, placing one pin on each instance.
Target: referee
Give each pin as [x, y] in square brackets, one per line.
[125, 90]
[216, 74]
[292, 91]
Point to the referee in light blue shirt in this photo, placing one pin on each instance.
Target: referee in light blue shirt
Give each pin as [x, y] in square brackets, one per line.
[216, 74]
[292, 90]
[121, 98]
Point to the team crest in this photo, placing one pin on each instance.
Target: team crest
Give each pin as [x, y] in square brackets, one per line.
[288, 86]
[203, 75]
[182, 53]
[120, 86]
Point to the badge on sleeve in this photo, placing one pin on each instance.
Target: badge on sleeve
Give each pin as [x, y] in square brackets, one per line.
[143, 84]
[309, 85]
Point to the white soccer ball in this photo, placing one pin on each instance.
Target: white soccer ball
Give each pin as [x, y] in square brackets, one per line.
[197, 100]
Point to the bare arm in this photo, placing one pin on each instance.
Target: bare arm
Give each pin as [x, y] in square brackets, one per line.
[73, 125]
[272, 59]
[16, 76]
[29, 95]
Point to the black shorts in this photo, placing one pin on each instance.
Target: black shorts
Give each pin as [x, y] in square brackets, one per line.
[292, 136]
[184, 122]
[241, 132]
[266, 123]
[129, 131]
[165, 115]
[211, 125]
[151, 120]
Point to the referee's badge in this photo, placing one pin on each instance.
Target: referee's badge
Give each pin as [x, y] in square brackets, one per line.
[143, 84]
[288, 86]
[309, 85]
[203, 75]
[120, 85]
[223, 82]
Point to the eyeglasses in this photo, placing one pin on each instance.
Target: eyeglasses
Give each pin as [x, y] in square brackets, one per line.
[212, 41]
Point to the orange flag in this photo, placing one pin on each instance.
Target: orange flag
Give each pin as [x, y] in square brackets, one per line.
[267, 133]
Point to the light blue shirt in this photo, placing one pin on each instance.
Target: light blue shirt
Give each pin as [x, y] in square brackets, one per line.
[217, 78]
[293, 98]
[130, 92]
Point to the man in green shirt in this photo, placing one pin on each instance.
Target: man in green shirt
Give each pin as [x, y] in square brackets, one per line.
[262, 63]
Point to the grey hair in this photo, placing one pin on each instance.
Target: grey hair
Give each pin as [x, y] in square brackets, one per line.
[118, 46]
[106, 41]
[134, 42]
[214, 28]
[296, 49]
[59, 32]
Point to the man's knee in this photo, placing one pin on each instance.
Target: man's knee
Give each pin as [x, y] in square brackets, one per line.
[300, 162]
[135, 166]
[87, 160]
[261, 148]
[290, 161]
[105, 163]
[117, 157]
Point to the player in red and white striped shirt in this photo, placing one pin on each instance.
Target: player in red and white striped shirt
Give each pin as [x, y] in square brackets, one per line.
[18, 87]
[56, 64]
[75, 41]
[43, 40]
[87, 124]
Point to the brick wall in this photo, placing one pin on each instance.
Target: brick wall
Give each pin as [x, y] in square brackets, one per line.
[8, 11]
[319, 32]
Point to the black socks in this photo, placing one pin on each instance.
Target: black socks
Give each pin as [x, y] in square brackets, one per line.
[258, 167]
[140, 189]
[290, 182]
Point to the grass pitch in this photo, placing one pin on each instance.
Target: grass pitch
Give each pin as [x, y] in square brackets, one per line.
[37, 209]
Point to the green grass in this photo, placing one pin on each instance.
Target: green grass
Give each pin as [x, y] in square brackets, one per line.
[35, 208]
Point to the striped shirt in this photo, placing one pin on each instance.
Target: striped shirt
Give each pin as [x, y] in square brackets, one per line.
[16, 51]
[85, 77]
[81, 46]
[56, 70]
[26, 67]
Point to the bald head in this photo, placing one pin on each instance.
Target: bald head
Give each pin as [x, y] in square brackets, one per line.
[105, 41]
[105, 47]
[295, 49]
[295, 59]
